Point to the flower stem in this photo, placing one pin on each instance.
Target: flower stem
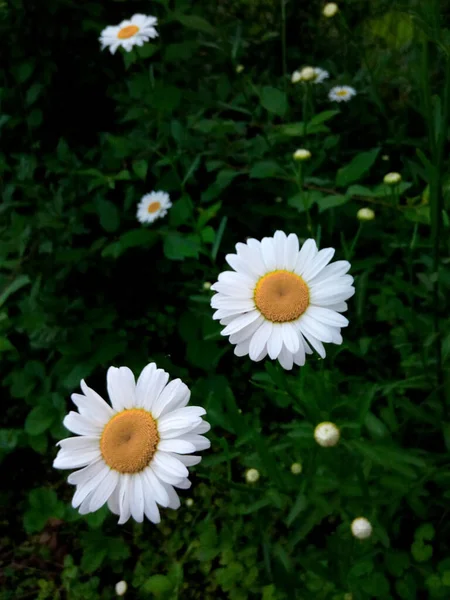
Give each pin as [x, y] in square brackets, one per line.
[283, 37]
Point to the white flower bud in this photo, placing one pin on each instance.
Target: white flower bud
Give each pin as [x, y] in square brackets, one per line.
[121, 588]
[330, 9]
[207, 285]
[189, 502]
[392, 178]
[302, 154]
[296, 468]
[365, 214]
[240, 68]
[252, 475]
[361, 528]
[327, 434]
[296, 77]
[307, 74]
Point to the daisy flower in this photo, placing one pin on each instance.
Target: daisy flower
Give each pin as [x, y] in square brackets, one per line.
[281, 300]
[133, 453]
[153, 206]
[341, 93]
[132, 32]
[312, 74]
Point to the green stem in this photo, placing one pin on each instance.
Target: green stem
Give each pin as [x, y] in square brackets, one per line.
[304, 197]
[306, 93]
[355, 241]
[283, 38]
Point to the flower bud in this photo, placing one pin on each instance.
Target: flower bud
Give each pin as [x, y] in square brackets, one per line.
[252, 475]
[330, 9]
[392, 178]
[327, 434]
[302, 154]
[121, 588]
[365, 214]
[296, 468]
[240, 68]
[307, 74]
[361, 528]
[189, 502]
[207, 285]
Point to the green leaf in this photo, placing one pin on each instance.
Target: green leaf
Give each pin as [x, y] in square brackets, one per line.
[332, 201]
[43, 503]
[13, 287]
[178, 246]
[5, 344]
[358, 167]
[303, 201]
[140, 168]
[195, 22]
[326, 115]
[144, 238]
[157, 584]
[263, 169]
[165, 97]
[39, 420]
[108, 213]
[274, 100]
[181, 211]
[24, 71]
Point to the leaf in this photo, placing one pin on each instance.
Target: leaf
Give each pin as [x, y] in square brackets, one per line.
[165, 97]
[358, 167]
[39, 420]
[157, 584]
[131, 239]
[178, 246]
[195, 22]
[140, 168]
[43, 503]
[108, 213]
[13, 287]
[303, 201]
[274, 100]
[263, 169]
[181, 211]
[326, 115]
[331, 202]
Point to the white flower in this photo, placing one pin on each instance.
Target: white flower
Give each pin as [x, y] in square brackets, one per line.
[132, 454]
[302, 154]
[281, 300]
[132, 32]
[361, 528]
[312, 74]
[153, 206]
[327, 434]
[392, 178]
[341, 93]
[330, 9]
[296, 468]
[121, 588]
[252, 475]
[365, 214]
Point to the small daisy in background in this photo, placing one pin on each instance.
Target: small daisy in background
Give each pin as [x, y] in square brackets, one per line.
[131, 32]
[341, 93]
[132, 453]
[330, 9]
[281, 299]
[153, 206]
[310, 74]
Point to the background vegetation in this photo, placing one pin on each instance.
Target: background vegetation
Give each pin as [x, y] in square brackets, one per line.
[84, 135]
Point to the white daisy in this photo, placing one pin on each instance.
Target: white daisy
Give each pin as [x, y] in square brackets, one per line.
[311, 74]
[153, 206]
[132, 453]
[341, 93]
[281, 300]
[132, 32]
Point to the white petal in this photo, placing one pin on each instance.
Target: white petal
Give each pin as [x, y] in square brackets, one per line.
[174, 501]
[275, 342]
[189, 460]
[240, 322]
[102, 408]
[243, 348]
[307, 252]
[340, 307]
[163, 475]
[218, 301]
[279, 244]
[104, 491]
[198, 441]
[113, 501]
[326, 316]
[268, 253]
[152, 386]
[83, 442]
[340, 267]
[84, 475]
[246, 332]
[176, 445]
[88, 486]
[316, 344]
[325, 298]
[310, 326]
[204, 427]
[300, 356]
[322, 258]
[291, 250]
[124, 498]
[184, 484]
[251, 253]
[286, 359]
[237, 279]
[259, 339]
[151, 510]
[290, 337]
[121, 387]
[235, 291]
[144, 384]
[137, 498]
[81, 425]
[175, 395]
[75, 459]
[240, 265]
[170, 464]
[154, 488]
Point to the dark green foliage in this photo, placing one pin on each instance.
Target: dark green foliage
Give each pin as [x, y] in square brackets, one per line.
[84, 286]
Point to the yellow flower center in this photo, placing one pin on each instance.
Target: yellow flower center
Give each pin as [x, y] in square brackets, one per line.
[281, 296]
[129, 440]
[127, 32]
[153, 207]
[342, 93]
